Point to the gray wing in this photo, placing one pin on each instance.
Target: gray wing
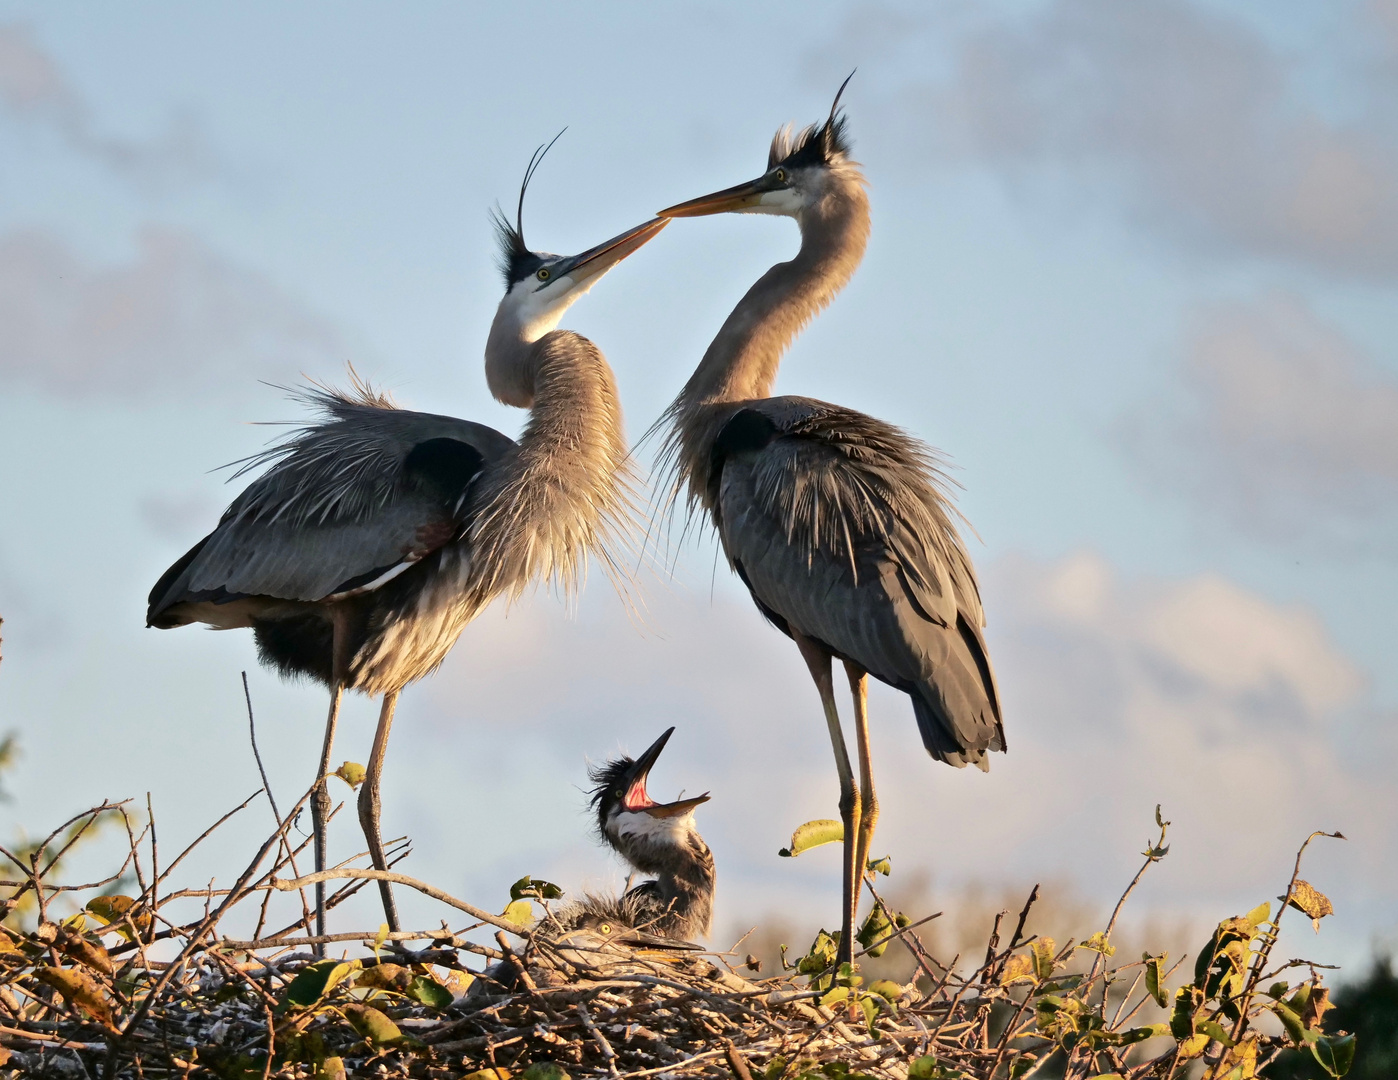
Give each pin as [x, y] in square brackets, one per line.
[837, 524]
[345, 505]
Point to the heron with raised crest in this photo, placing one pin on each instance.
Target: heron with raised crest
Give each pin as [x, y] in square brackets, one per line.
[839, 524]
[377, 534]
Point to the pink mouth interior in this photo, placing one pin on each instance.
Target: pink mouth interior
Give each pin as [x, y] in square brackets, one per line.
[637, 798]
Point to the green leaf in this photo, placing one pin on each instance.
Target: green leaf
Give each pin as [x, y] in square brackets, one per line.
[871, 1012]
[545, 1070]
[926, 1068]
[316, 980]
[351, 772]
[1155, 977]
[536, 888]
[1259, 915]
[1289, 1020]
[1098, 943]
[1043, 957]
[113, 909]
[430, 992]
[1334, 1053]
[878, 866]
[812, 834]
[1214, 1030]
[332, 1068]
[372, 1025]
[877, 926]
[887, 989]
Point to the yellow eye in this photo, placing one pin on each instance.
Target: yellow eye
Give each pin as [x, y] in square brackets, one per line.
[543, 274]
[781, 176]
[606, 928]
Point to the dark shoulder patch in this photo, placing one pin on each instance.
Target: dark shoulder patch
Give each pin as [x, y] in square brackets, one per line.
[747, 429]
[445, 465]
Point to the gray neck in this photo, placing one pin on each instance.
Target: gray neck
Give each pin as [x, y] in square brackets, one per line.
[565, 491]
[684, 878]
[741, 362]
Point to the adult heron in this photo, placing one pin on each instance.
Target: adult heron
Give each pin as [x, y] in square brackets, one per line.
[839, 524]
[377, 534]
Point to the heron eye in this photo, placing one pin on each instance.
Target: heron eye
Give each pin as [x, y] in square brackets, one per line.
[543, 274]
[620, 793]
[781, 176]
[606, 928]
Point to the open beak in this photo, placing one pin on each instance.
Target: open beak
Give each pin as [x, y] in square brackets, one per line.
[594, 262]
[742, 197]
[637, 798]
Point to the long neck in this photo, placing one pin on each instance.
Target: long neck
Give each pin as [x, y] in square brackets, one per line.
[673, 850]
[565, 492]
[741, 363]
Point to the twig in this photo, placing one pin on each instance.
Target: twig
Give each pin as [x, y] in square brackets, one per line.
[601, 1040]
[355, 873]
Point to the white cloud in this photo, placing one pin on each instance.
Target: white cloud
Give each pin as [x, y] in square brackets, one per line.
[1184, 114]
[1281, 421]
[178, 315]
[1234, 712]
[34, 89]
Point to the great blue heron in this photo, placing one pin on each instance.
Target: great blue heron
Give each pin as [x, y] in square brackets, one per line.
[838, 523]
[656, 838]
[652, 922]
[377, 534]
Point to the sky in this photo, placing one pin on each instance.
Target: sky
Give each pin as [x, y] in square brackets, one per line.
[1132, 270]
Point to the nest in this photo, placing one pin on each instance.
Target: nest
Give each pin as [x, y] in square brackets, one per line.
[151, 985]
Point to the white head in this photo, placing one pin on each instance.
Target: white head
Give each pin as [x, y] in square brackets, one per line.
[803, 167]
[539, 288]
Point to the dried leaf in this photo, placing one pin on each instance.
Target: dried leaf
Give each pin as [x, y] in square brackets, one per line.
[1043, 950]
[545, 1070]
[813, 834]
[88, 953]
[1098, 943]
[80, 990]
[1307, 899]
[385, 977]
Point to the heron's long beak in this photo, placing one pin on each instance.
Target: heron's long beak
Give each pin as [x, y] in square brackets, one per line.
[637, 798]
[596, 261]
[639, 939]
[741, 197]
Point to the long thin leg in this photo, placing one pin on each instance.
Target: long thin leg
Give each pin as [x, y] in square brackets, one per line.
[818, 661]
[869, 802]
[369, 804]
[320, 806]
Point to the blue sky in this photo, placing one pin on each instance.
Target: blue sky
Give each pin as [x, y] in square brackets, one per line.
[1132, 269]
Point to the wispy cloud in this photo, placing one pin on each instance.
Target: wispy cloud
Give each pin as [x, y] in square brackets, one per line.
[1185, 117]
[178, 315]
[34, 90]
[1277, 419]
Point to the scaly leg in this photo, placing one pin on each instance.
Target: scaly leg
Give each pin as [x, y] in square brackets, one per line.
[369, 804]
[818, 661]
[869, 803]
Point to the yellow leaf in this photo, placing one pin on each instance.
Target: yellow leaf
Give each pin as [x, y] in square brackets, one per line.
[79, 990]
[115, 909]
[351, 772]
[813, 834]
[385, 977]
[332, 1068]
[520, 912]
[1193, 1046]
[1018, 968]
[373, 1025]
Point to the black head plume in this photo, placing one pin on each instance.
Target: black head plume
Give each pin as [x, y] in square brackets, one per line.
[517, 262]
[816, 145]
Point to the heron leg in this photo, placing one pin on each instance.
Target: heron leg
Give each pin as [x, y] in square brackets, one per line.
[869, 802]
[320, 805]
[369, 804]
[818, 661]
